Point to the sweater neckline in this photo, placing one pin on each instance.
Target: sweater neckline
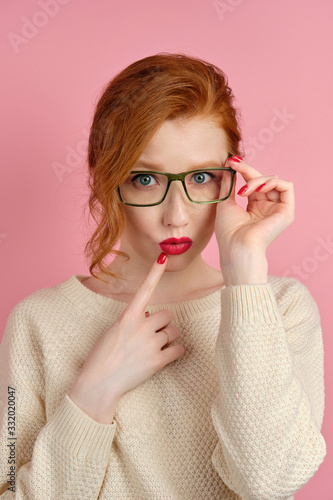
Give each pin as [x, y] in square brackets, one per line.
[99, 304]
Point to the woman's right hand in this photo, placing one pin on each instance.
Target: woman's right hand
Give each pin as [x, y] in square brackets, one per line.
[127, 354]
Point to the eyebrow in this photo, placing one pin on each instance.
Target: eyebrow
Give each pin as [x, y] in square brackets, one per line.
[150, 165]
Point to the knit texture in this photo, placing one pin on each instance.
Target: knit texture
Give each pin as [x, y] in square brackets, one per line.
[238, 416]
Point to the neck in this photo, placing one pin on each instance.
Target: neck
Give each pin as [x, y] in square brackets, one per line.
[178, 281]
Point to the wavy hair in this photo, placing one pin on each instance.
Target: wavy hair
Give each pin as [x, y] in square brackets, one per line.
[132, 107]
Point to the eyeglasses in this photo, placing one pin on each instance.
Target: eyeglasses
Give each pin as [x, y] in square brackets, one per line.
[147, 189]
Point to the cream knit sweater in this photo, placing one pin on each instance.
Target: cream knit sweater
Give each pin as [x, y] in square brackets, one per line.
[239, 415]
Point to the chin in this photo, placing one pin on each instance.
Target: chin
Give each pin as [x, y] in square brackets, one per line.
[175, 269]
[178, 262]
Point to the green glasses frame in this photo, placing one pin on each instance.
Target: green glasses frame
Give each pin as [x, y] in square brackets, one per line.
[181, 177]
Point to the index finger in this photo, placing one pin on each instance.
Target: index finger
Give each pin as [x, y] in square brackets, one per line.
[147, 287]
[245, 169]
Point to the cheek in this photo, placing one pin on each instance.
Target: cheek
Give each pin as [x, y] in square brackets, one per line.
[209, 215]
[137, 221]
[203, 222]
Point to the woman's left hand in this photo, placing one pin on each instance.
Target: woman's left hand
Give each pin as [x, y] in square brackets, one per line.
[268, 213]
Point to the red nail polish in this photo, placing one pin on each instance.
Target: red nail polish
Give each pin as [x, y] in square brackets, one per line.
[260, 187]
[239, 157]
[234, 159]
[162, 258]
[243, 189]
[146, 314]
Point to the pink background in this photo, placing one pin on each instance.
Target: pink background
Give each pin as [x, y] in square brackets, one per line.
[57, 56]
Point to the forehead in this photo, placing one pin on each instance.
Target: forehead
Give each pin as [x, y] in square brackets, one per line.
[186, 142]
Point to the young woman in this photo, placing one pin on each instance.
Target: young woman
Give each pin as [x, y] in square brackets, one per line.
[160, 377]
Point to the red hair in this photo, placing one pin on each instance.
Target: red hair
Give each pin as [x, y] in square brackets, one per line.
[132, 107]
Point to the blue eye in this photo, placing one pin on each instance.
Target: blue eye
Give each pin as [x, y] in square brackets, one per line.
[200, 176]
[144, 179]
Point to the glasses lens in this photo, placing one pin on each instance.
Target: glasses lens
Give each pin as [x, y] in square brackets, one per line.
[143, 188]
[202, 185]
[208, 185]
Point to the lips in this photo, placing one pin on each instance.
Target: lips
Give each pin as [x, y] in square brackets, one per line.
[176, 240]
[176, 246]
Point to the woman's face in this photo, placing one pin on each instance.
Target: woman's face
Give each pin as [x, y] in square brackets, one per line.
[179, 145]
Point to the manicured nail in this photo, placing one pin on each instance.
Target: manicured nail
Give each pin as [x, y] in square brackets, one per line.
[243, 189]
[162, 258]
[146, 314]
[239, 157]
[260, 187]
[234, 159]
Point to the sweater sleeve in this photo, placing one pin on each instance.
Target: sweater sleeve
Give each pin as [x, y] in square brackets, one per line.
[269, 409]
[65, 457]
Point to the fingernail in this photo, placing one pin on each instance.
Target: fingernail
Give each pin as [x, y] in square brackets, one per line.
[146, 314]
[162, 258]
[239, 157]
[233, 158]
[260, 187]
[243, 189]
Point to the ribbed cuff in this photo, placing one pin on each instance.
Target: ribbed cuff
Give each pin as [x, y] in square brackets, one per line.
[249, 304]
[80, 434]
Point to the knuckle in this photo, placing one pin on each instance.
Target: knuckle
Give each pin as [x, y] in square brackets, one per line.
[165, 315]
[168, 314]
[175, 331]
[156, 362]
[161, 359]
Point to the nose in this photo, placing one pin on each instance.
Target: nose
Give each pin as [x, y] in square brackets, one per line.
[176, 205]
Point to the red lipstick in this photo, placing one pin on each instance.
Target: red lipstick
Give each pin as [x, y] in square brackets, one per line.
[176, 246]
